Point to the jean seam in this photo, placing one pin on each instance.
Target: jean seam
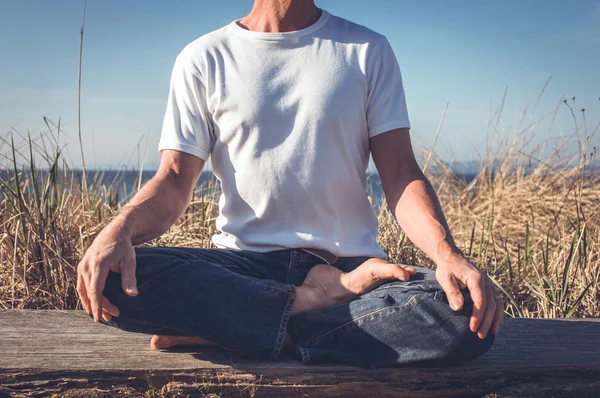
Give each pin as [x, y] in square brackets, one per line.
[301, 255]
[304, 355]
[287, 312]
[267, 286]
[290, 265]
[314, 340]
[310, 252]
[393, 285]
[277, 260]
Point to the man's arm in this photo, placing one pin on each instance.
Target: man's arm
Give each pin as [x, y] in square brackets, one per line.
[416, 207]
[163, 199]
[149, 214]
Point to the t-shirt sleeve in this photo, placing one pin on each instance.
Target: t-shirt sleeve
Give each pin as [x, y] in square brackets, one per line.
[386, 106]
[187, 126]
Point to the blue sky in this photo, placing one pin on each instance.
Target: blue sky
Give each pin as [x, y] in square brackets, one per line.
[463, 52]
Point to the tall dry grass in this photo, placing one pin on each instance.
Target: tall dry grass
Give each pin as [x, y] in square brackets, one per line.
[529, 219]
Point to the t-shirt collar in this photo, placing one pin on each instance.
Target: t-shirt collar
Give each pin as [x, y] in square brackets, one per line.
[280, 35]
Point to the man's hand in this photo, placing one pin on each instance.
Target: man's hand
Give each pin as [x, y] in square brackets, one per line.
[149, 214]
[110, 251]
[488, 311]
[413, 201]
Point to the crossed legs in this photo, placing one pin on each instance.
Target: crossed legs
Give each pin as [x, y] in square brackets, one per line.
[325, 286]
[376, 314]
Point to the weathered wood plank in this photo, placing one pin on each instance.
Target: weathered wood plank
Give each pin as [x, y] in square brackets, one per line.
[45, 351]
[60, 336]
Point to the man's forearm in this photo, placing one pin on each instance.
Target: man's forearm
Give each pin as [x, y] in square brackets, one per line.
[151, 211]
[419, 213]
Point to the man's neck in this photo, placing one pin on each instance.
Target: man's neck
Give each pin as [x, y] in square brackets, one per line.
[280, 15]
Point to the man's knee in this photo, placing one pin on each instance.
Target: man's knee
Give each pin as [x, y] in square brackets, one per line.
[465, 344]
[447, 335]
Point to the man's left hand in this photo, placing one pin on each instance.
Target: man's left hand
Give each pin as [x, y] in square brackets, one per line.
[488, 311]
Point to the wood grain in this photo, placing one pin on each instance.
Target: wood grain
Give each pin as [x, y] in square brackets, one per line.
[57, 351]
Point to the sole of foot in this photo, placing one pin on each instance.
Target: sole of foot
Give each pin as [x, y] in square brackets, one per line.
[166, 342]
[326, 286]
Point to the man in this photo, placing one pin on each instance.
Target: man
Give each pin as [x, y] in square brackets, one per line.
[289, 101]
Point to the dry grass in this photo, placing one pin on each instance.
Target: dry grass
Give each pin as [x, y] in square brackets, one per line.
[531, 220]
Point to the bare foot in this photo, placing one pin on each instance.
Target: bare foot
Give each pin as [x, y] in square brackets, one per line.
[162, 342]
[326, 286]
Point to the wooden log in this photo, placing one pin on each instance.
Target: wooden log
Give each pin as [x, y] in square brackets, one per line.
[43, 352]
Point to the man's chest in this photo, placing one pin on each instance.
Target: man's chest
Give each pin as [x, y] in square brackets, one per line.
[311, 89]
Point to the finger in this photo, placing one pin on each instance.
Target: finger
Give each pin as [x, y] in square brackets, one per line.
[499, 318]
[453, 293]
[476, 286]
[489, 312]
[85, 302]
[95, 289]
[106, 316]
[128, 280]
[109, 307]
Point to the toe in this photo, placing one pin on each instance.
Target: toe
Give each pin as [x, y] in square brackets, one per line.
[387, 271]
[411, 271]
[157, 342]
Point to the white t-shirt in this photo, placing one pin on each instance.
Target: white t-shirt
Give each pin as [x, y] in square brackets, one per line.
[286, 119]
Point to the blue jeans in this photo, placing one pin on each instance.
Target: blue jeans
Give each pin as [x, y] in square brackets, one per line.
[242, 301]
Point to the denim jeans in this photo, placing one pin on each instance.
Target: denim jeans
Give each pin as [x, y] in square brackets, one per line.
[242, 300]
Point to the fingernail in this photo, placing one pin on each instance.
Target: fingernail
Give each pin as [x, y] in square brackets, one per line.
[132, 290]
[455, 304]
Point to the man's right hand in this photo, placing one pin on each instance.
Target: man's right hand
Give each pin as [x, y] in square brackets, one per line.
[151, 212]
[110, 251]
